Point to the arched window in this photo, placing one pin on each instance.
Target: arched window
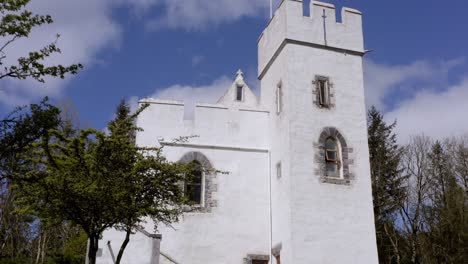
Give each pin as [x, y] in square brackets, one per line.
[332, 158]
[200, 186]
[194, 184]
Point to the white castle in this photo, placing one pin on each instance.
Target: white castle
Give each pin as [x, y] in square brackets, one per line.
[299, 188]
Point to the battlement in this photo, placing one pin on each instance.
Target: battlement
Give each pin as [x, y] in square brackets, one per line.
[317, 8]
[177, 109]
[214, 124]
[320, 30]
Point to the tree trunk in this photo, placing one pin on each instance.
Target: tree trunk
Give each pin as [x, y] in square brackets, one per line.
[123, 246]
[394, 242]
[93, 248]
[44, 247]
[415, 259]
[39, 244]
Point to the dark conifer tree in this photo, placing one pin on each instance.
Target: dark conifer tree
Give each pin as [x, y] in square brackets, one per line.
[388, 187]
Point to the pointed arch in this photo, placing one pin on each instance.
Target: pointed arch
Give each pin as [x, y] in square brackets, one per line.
[207, 183]
[196, 156]
[333, 157]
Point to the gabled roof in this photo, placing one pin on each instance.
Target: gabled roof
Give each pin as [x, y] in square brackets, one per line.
[230, 97]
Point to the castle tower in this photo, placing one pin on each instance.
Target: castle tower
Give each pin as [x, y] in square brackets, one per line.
[311, 76]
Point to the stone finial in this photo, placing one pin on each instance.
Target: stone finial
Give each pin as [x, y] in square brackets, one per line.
[240, 78]
[240, 73]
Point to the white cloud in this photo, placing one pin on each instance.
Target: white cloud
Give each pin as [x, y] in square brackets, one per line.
[198, 14]
[381, 80]
[429, 105]
[438, 111]
[86, 28]
[209, 93]
[138, 4]
[436, 114]
[133, 103]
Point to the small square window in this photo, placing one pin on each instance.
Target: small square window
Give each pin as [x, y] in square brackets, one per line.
[239, 92]
[332, 170]
[331, 155]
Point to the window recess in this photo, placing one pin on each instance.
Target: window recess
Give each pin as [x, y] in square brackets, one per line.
[239, 92]
[194, 184]
[332, 158]
[324, 92]
[279, 98]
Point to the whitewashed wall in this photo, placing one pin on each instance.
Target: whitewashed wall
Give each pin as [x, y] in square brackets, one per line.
[313, 221]
[233, 136]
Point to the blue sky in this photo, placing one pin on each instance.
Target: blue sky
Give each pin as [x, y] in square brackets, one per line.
[190, 50]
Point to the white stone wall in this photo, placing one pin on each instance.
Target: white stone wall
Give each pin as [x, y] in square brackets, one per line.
[233, 136]
[317, 222]
[138, 250]
[254, 210]
[214, 124]
[279, 126]
[328, 217]
[289, 23]
[238, 225]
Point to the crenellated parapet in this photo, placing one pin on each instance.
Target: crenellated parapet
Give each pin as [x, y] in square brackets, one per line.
[235, 120]
[320, 30]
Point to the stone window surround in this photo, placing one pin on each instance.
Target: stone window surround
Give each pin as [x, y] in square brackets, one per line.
[331, 90]
[346, 152]
[210, 186]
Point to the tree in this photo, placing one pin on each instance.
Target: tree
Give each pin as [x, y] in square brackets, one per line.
[459, 149]
[420, 196]
[416, 163]
[388, 187]
[98, 181]
[152, 184]
[17, 132]
[18, 23]
[23, 127]
[22, 237]
[446, 238]
[18, 129]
